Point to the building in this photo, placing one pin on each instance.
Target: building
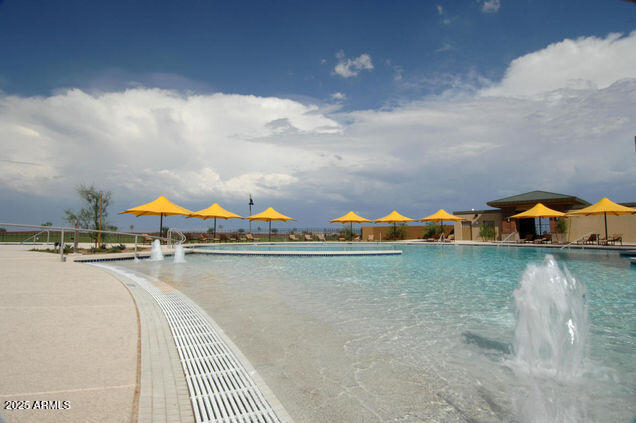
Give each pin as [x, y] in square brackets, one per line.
[498, 217]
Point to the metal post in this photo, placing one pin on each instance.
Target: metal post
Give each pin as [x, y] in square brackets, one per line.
[47, 237]
[135, 246]
[75, 240]
[62, 245]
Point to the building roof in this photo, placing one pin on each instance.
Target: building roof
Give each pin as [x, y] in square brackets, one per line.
[537, 197]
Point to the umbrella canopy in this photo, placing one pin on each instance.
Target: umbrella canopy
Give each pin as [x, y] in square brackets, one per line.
[160, 207]
[604, 207]
[215, 212]
[394, 217]
[539, 210]
[440, 216]
[269, 215]
[350, 217]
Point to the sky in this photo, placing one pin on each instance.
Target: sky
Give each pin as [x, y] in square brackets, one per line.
[314, 108]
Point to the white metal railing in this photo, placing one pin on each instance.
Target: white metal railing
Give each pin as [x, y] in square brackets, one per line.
[172, 231]
[507, 239]
[580, 239]
[76, 231]
[35, 237]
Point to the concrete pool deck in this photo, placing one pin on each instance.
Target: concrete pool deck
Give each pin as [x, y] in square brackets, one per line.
[69, 333]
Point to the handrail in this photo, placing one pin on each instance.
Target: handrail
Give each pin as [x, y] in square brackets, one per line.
[63, 229]
[506, 238]
[36, 235]
[577, 240]
[175, 231]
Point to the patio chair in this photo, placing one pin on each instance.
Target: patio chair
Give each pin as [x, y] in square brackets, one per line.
[321, 237]
[308, 237]
[147, 238]
[450, 238]
[615, 238]
[356, 238]
[250, 237]
[528, 238]
[203, 238]
[217, 239]
[242, 239]
[370, 238]
[341, 238]
[590, 239]
[292, 237]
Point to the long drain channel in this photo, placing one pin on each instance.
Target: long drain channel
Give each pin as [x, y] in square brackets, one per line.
[220, 388]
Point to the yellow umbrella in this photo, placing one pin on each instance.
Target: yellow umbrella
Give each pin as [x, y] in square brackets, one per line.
[350, 217]
[215, 211]
[269, 215]
[440, 217]
[604, 207]
[394, 217]
[160, 207]
[538, 211]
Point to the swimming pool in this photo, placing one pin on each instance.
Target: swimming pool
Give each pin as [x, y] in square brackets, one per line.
[426, 335]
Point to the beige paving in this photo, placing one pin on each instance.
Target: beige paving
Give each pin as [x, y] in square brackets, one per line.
[68, 332]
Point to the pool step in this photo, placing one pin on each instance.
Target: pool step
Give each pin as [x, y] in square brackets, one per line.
[226, 252]
[628, 253]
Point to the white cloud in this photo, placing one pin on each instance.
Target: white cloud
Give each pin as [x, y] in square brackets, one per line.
[582, 63]
[440, 9]
[444, 47]
[454, 151]
[352, 67]
[338, 96]
[491, 6]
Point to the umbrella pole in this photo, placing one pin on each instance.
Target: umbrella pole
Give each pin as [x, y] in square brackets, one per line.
[215, 227]
[351, 237]
[160, 224]
[605, 214]
[269, 233]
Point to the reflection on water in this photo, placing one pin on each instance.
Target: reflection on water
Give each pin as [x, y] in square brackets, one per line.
[425, 335]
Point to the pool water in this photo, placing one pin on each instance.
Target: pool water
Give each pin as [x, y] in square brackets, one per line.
[428, 335]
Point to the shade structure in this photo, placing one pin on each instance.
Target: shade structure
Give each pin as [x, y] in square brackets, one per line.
[394, 217]
[215, 212]
[267, 216]
[350, 217]
[538, 211]
[605, 206]
[160, 207]
[440, 216]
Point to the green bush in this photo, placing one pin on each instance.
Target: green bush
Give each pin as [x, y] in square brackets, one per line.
[487, 232]
[561, 226]
[432, 231]
[397, 232]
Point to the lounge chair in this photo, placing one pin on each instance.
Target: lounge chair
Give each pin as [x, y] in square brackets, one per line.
[528, 238]
[356, 238]
[292, 237]
[232, 238]
[308, 237]
[370, 238]
[341, 238]
[147, 238]
[590, 239]
[321, 237]
[242, 239]
[614, 238]
[203, 238]
[250, 237]
[451, 238]
[216, 239]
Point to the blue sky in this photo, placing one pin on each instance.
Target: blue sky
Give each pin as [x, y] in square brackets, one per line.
[337, 101]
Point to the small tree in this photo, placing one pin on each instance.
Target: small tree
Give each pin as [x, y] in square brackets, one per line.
[561, 226]
[397, 232]
[88, 216]
[487, 232]
[47, 224]
[241, 230]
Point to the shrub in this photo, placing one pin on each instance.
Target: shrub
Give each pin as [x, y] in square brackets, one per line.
[561, 226]
[487, 232]
[397, 232]
[432, 231]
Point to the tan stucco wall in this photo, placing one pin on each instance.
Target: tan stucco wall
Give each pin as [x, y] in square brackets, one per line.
[412, 231]
[476, 223]
[578, 226]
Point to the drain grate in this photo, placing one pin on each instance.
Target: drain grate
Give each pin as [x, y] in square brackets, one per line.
[220, 388]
